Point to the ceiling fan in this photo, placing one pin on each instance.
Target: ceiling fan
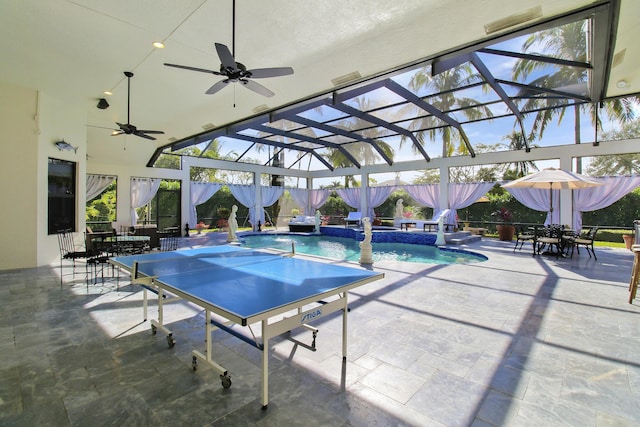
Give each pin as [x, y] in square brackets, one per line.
[128, 128]
[235, 72]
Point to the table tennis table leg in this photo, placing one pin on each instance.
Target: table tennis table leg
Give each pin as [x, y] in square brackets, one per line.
[159, 324]
[208, 357]
[265, 364]
[344, 327]
[144, 304]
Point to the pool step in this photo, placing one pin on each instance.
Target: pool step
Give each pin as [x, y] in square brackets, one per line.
[461, 238]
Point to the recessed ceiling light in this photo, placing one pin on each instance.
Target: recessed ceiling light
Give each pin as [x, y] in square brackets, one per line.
[106, 92]
[622, 84]
[159, 45]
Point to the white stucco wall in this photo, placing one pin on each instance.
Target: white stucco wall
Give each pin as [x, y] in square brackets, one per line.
[32, 122]
[18, 177]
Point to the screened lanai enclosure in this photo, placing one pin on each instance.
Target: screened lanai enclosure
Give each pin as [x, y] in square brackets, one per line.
[522, 100]
[493, 96]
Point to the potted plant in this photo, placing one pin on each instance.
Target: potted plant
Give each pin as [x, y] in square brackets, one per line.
[376, 220]
[201, 226]
[505, 231]
[629, 239]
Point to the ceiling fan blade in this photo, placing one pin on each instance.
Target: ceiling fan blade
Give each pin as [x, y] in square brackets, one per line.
[125, 128]
[142, 135]
[99, 127]
[128, 128]
[256, 87]
[202, 70]
[218, 86]
[156, 132]
[262, 73]
[225, 57]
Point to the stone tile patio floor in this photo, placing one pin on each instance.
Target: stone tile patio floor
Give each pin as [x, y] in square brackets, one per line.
[516, 340]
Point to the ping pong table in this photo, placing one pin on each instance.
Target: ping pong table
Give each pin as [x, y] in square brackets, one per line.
[246, 287]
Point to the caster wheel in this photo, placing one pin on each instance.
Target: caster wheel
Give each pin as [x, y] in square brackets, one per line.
[171, 341]
[194, 363]
[153, 329]
[226, 381]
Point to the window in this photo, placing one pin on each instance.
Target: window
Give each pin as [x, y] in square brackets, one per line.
[62, 196]
[165, 206]
[101, 209]
[164, 209]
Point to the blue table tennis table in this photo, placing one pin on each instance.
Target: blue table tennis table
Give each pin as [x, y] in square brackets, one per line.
[245, 287]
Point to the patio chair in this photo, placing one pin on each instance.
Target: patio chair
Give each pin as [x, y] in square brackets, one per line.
[552, 238]
[68, 251]
[168, 240]
[587, 240]
[436, 219]
[353, 218]
[522, 236]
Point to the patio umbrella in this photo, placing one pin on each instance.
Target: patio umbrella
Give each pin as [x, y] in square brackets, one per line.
[553, 179]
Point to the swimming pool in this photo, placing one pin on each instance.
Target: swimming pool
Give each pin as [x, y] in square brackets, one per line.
[349, 249]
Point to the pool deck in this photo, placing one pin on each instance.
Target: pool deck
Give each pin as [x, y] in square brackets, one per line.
[516, 340]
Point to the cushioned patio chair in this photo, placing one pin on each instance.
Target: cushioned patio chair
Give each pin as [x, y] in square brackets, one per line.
[522, 236]
[353, 218]
[551, 239]
[435, 220]
[586, 240]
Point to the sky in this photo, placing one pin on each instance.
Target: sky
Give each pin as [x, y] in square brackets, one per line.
[488, 132]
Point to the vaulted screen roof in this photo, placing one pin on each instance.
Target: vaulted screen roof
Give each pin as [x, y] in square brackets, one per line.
[411, 111]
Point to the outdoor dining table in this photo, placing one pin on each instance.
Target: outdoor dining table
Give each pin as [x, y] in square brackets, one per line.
[545, 235]
[126, 244]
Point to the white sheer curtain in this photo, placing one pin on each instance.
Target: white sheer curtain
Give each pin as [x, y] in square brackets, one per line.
[351, 196]
[309, 199]
[318, 197]
[465, 194]
[301, 197]
[200, 193]
[269, 196]
[376, 197]
[594, 198]
[538, 199]
[96, 184]
[246, 196]
[142, 191]
[425, 195]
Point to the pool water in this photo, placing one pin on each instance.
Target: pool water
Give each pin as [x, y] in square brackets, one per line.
[349, 249]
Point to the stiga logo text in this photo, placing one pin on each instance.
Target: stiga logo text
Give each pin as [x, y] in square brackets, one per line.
[312, 315]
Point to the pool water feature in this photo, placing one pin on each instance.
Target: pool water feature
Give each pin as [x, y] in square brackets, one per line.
[343, 248]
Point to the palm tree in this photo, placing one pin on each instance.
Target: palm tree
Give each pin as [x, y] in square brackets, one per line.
[443, 85]
[362, 151]
[516, 141]
[566, 42]
[618, 164]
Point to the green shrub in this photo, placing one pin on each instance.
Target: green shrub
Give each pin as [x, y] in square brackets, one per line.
[605, 235]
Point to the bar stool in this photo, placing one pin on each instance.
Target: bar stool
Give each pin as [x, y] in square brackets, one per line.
[635, 273]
